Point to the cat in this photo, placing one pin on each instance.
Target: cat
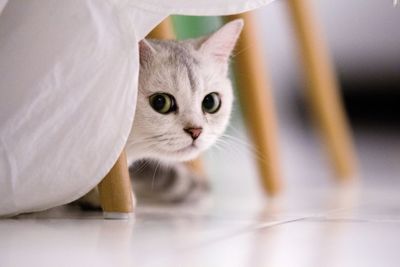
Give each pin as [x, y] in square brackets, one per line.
[184, 104]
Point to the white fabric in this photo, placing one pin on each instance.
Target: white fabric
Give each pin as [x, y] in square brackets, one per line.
[200, 7]
[68, 83]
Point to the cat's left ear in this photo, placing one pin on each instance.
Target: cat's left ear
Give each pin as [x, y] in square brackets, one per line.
[146, 51]
[221, 43]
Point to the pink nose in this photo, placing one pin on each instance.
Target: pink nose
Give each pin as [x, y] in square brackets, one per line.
[193, 132]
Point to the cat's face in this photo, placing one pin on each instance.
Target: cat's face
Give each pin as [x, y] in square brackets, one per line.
[185, 96]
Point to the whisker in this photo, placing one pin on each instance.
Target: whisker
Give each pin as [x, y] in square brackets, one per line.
[242, 51]
[222, 147]
[249, 148]
[154, 176]
[142, 165]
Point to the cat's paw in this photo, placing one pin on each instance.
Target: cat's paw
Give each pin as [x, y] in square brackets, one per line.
[153, 181]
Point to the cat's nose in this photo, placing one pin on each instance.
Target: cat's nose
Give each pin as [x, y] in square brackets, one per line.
[193, 132]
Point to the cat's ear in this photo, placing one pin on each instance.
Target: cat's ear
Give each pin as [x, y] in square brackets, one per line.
[221, 43]
[146, 51]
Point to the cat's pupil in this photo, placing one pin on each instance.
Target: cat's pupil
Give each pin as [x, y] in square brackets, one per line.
[211, 103]
[162, 103]
[159, 102]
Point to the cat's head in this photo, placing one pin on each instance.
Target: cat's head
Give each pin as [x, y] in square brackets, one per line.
[185, 96]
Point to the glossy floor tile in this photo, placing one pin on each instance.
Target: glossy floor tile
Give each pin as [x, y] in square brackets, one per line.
[314, 222]
[320, 227]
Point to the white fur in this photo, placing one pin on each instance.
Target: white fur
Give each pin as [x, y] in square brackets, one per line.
[162, 137]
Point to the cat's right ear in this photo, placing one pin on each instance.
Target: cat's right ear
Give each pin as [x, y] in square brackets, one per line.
[221, 43]
[146, 51]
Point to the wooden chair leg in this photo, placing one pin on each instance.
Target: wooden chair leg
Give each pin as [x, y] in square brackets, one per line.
[257, 103]
[197, 166]
[165, 30]
[116, 192]
[323, 90]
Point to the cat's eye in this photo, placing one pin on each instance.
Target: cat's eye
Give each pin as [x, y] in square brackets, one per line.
[162, 103]
[211, 103]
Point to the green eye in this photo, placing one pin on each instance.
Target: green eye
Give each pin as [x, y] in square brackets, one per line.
[211, 103]
[162, 103]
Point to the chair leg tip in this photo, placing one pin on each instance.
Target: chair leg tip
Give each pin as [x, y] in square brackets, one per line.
[118, 215]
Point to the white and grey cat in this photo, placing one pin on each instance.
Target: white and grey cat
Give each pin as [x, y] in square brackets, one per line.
[183, 106]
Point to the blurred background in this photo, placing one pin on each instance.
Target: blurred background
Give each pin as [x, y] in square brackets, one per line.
[364, 43]
[315, 221]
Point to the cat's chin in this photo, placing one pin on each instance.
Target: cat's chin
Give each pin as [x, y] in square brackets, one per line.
[183, 154]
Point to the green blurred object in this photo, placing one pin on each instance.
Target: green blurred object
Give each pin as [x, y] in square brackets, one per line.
[194, 26]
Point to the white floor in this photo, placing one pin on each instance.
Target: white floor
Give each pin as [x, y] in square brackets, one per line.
[320, 227]
[315, 222]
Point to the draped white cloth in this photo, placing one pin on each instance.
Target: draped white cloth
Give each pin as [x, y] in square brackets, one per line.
[68, 84]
